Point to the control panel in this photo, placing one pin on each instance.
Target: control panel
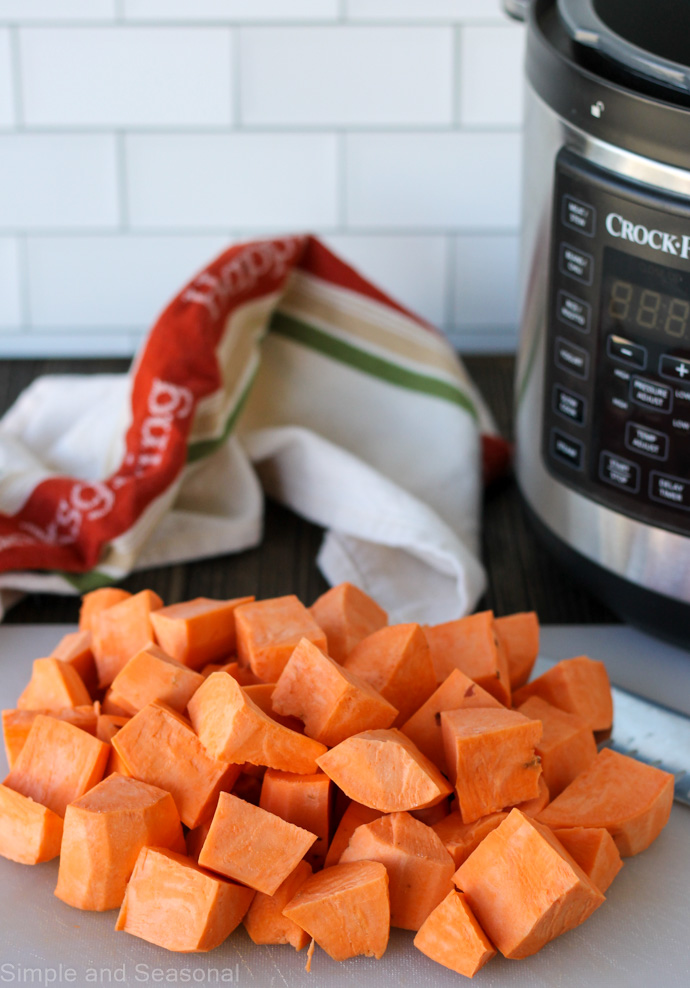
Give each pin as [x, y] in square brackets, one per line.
[616, 422]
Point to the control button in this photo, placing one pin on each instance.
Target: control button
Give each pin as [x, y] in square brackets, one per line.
[674, 368]
[632, 354]
[619, 472]
[570, 406]
[673, 491]
[650, 394]
[571, 357]
[574, 312]
[649, 442]
[567, 450]
[579, 216]
[576, 264]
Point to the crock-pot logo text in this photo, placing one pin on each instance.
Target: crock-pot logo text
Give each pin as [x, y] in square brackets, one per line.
[637, 233]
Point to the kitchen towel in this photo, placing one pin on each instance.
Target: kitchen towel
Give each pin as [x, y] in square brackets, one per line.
[278, 368]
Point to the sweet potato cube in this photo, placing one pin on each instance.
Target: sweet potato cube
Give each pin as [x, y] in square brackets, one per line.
[29, 832]
[104, 833]
[269, 630]
[197, 631]
[534, 806]
[420, 869]
[396, 661]
[518, 634]
[120, 631]
[595, 851]
[265, 922]
[108, 725]
[54, 685]
[158, 746]
[75, 649]
[451, 936]
[95, 601]
[354, 816]
[632, 800]
[58, 764]
[347, 615]
[490, 755]
[151, 676]
[16, 725]
[459, 838]
[567, 744]
[173, 903]
[332, 701]
[233, 728]
[243, 675]
[578, 686]
[115, 706]
[304, 800]
[524, 889]
[345, 909]
[424, 726]
[471, 645]
[195, 839]
[252, 845]
[262, 695]
[384, 770]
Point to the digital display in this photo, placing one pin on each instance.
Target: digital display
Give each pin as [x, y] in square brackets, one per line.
[640, 298]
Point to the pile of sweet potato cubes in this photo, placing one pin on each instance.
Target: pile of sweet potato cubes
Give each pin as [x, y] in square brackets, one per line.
[321, 776]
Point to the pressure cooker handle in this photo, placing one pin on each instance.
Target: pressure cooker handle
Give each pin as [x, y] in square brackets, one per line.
[517, 8]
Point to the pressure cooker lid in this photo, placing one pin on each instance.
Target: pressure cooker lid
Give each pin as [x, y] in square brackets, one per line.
[650, 38]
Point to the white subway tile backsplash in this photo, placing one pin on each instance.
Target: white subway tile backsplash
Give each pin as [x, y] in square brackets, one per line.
[433, 180]
[50, 181]
[10, 285]
[118, 77]
[346, 75]
[424, 10]
[218, 181]
[111, 281]
[232, 10]
[486, 281]
[413, 270]
[490, 75]
[57, 10]
[6, 82]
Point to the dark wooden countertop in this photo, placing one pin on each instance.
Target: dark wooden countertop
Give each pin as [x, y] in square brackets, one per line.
[522, 576]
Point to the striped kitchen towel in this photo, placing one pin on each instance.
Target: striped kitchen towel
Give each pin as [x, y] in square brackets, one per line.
[278, 367]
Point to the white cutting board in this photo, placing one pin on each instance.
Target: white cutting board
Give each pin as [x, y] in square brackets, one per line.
[637, 939]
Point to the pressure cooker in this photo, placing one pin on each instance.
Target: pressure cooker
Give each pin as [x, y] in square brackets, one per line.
[603, 377]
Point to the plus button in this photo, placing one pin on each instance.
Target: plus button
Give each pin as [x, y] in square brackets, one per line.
[682, 370]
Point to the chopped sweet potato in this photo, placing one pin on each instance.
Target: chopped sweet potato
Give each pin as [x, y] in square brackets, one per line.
[108, 725]
[172, 902]
[75, 649]
[384, 770]
[195, 839]
[104, 832]
[396, 662]
[595, 851]
[304, 800]
[122, 630]
[265, 922]
[233, 728]
[16, 725]
[197, 631]
[471, 645]
[96, 601]
[252, 845]
[347, 615]
[243, 675]
[451, 936]
[578, 686]
[114, 706]
[354, 816]
[524, 889]
[269, 630]
[345, 909]
[54, 685]
[459, 838]
[153, 676]
[534, 806]
[29, 832]
[567, 744]
[519, 636]
[332, 701]
[262, 695]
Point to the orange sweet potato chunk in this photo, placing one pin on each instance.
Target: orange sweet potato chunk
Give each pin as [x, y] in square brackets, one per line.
[451, 936]
[243, 675]
[354, 816]
[630, 799]
[262, 695]
[471, 645]
[578, 686]
[196, 632]
[424, 726]
[534, 806]
[96, 601]
[490, 755]
[384, 770]
[567, 744]
[347, 615]
[595, 851]
[103, 835]
[304, 800]
[265, 922]
[158, 746]
[269, 630]
[459, 838]
[233, 728]
[252, 845]
[396, 662]
[333, 702]
[54, 685]
[524, 889]
[420, 869]
[519, 636]
[173, 903]
[153, 676]
[29, 832]
[16, 725]
[345, 909]
[75, 649]
[58, 764]
[108, 725]
[120, 631]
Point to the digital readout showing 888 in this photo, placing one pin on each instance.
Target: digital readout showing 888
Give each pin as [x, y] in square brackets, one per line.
[642, 298]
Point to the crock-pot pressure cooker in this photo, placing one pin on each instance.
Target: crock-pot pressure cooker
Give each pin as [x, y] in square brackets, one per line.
[603, 379]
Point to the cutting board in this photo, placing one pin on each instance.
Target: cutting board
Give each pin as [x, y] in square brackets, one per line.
[638, 938]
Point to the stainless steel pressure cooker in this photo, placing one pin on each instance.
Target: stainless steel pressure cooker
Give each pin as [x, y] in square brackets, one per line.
[603, 380]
